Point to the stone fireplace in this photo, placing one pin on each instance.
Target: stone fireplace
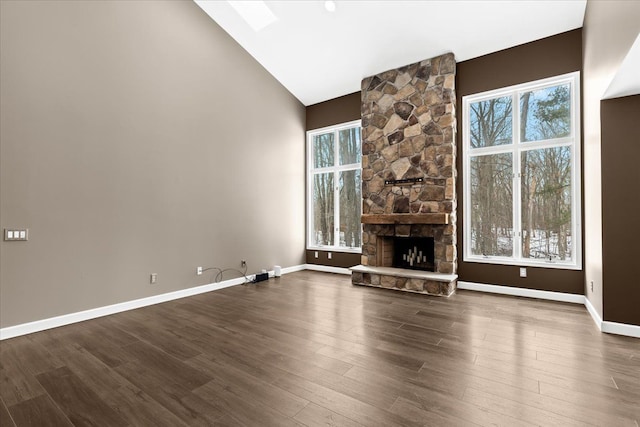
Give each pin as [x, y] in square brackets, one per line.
[408, 179]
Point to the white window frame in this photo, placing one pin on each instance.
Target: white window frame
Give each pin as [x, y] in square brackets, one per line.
[516, 148]
[336, 169]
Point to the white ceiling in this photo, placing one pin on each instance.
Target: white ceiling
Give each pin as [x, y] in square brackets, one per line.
[319, 55]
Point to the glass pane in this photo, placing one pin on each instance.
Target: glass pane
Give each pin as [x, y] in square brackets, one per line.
[491, 122]
[323, 209]
[350, 209]
[323, 150]
[546, 204]
[349, 146]
[492, 205]
[545, 113]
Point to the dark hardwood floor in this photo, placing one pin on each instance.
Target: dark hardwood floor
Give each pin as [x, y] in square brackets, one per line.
[311, 349]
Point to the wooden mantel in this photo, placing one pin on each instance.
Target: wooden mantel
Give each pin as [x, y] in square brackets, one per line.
[423, 218]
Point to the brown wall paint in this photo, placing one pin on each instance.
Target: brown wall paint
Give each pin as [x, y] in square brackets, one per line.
[338, 259]
[138, 137]
[335, 111]
[620, 204]
[543, 58]
[547, 57]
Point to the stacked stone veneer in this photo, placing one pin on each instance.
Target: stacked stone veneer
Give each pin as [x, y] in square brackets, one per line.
[409, 125]
[422, 286]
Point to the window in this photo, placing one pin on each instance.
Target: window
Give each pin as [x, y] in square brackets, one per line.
[334, 193]
[521, 155]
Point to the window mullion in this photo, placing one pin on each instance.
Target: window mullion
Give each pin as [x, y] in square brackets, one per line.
[485, 151]
[517, 180]
[310, 187]
[466, 181]
[336, 191]
[550, 143]
[576, 181]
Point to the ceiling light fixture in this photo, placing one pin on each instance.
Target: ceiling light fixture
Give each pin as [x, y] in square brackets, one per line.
[330, 5]
[256, 13]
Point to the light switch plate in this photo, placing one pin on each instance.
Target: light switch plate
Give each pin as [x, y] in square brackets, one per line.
[16, 234]
[523, 272]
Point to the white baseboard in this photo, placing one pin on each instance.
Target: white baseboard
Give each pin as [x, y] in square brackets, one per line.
[293, 269]
[594, 313]
[604, 326]
[81, 316]
[621, 329]
[327, 269]
[67, 319]
[521, 292]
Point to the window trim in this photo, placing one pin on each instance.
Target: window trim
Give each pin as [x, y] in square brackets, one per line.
[336, 169]
[516, 148]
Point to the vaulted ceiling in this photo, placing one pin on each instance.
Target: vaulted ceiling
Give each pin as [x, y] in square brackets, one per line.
[319, 55]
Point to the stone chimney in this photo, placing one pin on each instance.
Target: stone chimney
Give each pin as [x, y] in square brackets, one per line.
[408, 173]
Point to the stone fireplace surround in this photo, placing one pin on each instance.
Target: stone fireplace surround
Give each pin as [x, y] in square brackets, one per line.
[408, 173]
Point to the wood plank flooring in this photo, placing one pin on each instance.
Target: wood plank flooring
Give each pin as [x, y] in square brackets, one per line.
[310, 349]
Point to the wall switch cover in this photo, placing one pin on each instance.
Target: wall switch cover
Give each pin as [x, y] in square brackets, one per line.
[16, 234]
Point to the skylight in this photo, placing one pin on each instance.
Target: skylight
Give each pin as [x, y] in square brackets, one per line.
[255, 12]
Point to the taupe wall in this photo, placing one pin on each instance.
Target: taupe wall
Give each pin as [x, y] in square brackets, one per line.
[339, 110]
[137, 137]
[610, 28]
[548, 57]
[620, 207]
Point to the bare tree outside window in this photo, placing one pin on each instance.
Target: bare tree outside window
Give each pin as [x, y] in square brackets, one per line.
[491, 204]
[535, 145]
[491, 125]
[350, 185]
[491, 122]
[546, 174]
[336, 196]
[323, 209]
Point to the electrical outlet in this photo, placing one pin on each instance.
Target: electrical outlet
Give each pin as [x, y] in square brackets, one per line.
[329, 255]
[315, 254]
[592, 286]
[243, 263]
[198, 271]
[154, 278]
[523, 272]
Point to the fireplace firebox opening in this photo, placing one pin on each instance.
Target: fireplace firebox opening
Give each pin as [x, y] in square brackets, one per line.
[414, 253]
